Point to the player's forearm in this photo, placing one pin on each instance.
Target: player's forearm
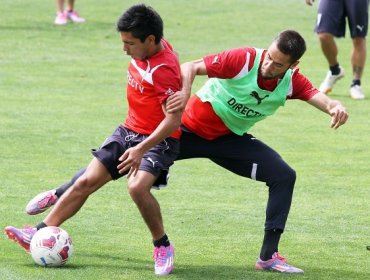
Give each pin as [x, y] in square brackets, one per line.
[187, 76]
[322, 102]
[333, 103]
[188, 72]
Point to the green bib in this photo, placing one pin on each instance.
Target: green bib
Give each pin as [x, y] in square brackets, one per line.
[239, 102]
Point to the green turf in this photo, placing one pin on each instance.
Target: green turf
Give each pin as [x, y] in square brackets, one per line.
[62, 93]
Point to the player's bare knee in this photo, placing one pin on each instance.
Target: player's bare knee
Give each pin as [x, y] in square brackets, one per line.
[83, 186]
[324, 37]
[136, 191]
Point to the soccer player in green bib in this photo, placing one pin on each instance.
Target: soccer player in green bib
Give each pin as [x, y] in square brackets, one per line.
[247, 85]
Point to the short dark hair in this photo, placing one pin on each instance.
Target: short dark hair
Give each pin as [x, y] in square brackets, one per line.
[141, 21]
[291, 43]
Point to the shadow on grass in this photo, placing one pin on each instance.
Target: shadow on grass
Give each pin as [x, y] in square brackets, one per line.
[144, 267]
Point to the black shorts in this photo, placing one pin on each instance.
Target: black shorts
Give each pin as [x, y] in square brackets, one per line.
[332, 14]
[156, 161]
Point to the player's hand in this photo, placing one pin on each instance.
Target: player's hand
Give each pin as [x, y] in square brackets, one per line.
[309, 2]
[130, 161]
[338, 115]
[176, 102]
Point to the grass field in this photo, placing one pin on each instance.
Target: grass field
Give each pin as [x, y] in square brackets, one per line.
[62, 93]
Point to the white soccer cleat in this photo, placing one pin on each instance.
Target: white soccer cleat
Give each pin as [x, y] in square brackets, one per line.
[357, 93]
[329, 81]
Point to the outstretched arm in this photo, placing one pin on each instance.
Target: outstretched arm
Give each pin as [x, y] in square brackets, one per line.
[189, 70]
[332, 107]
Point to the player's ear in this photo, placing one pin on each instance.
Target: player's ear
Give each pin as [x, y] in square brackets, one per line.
[150, 39]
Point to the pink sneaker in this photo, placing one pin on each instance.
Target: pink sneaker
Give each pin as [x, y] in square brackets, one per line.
[41, 202]
[74, 16]
[61, 19]
[277, 263]
[22, 236]
[163, 259]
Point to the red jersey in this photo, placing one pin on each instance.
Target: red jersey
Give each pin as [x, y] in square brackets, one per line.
[199, 116]
[149, 83]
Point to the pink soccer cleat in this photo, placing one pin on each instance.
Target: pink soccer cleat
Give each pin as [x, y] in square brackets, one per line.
[278, 264]
[61, 19]
[163, 259]
[41, 202]
[75, 17]
[22, 236]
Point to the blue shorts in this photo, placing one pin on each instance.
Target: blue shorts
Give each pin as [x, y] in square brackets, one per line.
[332, 14]
[156, 161]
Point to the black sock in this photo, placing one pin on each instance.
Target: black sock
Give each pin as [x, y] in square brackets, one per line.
[356, 83]
[41, 225]
[59, 191]
[162, 242]
[335, 70]
[270, 244]
[62, 189]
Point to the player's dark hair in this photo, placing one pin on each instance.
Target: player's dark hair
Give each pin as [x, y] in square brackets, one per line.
[291, 43]
[141, 21]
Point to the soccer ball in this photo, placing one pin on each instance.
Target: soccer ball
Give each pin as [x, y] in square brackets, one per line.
[51, 246]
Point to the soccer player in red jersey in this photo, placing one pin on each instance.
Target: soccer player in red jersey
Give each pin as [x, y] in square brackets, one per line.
[247, 85]
[144, 145]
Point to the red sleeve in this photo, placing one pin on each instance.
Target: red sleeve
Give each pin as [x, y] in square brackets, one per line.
[302, 88]
[228, 64]
[165, 87]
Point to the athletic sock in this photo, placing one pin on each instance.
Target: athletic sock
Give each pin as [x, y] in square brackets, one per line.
[41, 225]
[356, 83]
[335, 70]
[59, 191]
[270, 244]
[62, 189]
[162, 241]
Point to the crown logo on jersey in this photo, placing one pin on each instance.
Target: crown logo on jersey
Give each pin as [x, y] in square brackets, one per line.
[169, 92]
[216, 60]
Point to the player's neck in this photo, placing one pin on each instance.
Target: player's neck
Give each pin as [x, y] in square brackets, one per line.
[156, 49]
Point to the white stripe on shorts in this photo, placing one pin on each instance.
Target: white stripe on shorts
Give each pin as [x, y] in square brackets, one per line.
[254, 171]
